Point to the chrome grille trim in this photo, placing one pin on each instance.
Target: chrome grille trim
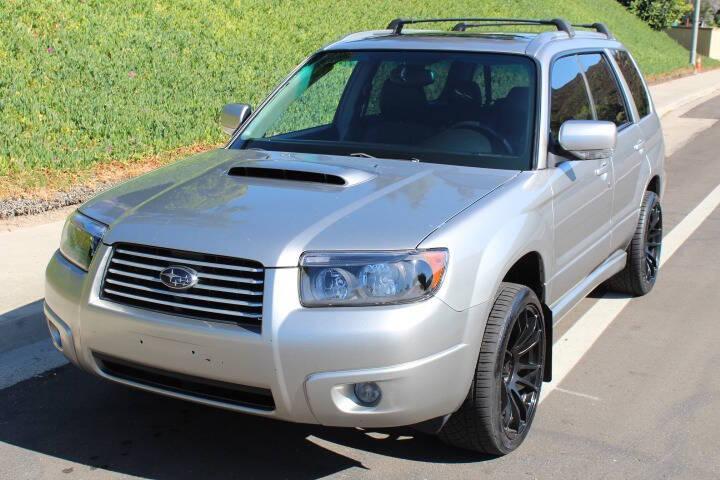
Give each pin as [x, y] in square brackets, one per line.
[183, 295]
[132, 278]
[138, 265]
[200, 286]
[191, 307]
[190, 262]
[201, 275]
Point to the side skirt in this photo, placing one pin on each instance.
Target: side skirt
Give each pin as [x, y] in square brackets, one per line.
[611, 266]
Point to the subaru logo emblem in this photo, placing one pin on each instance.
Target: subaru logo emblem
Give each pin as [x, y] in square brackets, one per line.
[179, 278]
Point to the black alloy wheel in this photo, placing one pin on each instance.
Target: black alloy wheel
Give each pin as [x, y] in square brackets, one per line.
[643, 254]
[498, 411]
[522, 371]
[653, 243]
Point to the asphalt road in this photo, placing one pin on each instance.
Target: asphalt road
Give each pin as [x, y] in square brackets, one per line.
[642, 402]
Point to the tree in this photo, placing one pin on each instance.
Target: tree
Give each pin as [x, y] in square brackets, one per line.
[707, 12]
[659, 14]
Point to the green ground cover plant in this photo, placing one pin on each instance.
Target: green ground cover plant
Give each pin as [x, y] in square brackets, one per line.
[84, 83]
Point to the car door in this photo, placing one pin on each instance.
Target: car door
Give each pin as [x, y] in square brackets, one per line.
[582, 189]
[649, 146]
[610, 105]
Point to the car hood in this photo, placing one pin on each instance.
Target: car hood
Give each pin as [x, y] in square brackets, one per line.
[197, 205]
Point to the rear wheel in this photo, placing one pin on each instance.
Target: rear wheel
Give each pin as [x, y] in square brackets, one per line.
[643, 261]
[497, 414]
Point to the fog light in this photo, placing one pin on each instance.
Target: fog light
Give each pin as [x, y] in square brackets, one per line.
[368, 393]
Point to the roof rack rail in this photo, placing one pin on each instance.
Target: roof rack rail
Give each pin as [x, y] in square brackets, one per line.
[562, 25]
[598, 27]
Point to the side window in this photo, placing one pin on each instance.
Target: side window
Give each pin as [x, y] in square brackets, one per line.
[507, 77]
[569, 98]
[440, 71]
[503, 78]
[634, 81]
[609, 103]
[382, 74]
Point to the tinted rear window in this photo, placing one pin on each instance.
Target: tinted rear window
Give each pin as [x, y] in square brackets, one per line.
[634, 81]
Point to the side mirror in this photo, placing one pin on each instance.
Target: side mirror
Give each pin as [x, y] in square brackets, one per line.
[233, 115]
[588, 139]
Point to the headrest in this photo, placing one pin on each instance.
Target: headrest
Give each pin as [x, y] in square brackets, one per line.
[412, 76]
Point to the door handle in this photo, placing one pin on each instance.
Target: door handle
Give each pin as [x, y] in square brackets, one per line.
[603, 169]
[639, 145]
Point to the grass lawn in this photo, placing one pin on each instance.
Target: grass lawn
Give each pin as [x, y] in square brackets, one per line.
[91, 86]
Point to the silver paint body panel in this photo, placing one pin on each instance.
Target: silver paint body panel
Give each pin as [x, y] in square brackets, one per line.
[422, 354]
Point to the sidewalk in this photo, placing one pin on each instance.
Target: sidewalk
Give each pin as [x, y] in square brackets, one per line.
[675, 93]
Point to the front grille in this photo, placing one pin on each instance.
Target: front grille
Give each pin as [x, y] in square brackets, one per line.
[243, 395]
[228, 289]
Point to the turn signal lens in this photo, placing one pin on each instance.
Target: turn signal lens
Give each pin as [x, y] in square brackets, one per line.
[437, 259]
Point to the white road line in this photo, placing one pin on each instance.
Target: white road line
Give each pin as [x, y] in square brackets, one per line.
[573, 345]
[577, 394]
[24, 362]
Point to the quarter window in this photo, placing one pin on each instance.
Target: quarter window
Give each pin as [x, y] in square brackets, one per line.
[569, 99]
[609, 103]
[634, 81]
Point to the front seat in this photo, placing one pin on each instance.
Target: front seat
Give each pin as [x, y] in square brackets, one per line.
[464, 101]
[403, 105]
[514, 116]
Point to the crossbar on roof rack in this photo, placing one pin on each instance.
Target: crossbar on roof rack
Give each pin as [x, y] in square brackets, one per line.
[462, 26]
[598, 27]
[562, 25]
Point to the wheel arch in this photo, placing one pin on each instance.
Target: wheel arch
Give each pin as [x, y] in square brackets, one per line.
[528, 270]
[654, 185]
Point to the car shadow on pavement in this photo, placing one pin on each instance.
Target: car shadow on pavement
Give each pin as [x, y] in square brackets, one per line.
[70, 415]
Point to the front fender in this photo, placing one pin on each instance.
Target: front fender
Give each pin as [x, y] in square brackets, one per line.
[486, 239]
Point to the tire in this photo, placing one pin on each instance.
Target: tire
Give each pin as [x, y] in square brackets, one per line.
[480, 423]
[643, 255]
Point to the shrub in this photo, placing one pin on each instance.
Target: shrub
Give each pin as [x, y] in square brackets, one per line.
[659, 14]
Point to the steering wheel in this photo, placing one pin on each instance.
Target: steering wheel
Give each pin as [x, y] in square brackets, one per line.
[498, 142]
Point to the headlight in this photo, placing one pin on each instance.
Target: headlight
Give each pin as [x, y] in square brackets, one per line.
[80, 238]
[370, 278]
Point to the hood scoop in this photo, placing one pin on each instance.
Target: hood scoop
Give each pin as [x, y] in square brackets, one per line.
[305, 172]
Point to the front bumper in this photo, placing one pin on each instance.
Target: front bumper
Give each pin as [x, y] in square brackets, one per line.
[422, 355]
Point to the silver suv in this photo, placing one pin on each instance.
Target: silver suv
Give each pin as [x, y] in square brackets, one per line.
[388, 240]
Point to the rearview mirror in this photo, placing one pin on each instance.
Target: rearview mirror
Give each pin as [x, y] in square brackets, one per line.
[588, 139]
[233, 115]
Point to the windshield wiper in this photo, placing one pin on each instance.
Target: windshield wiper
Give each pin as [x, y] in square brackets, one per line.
[361, 154]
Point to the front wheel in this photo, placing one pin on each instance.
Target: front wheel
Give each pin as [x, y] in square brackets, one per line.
[496, 415]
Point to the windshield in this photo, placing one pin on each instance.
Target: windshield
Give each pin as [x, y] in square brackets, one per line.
[472, 109]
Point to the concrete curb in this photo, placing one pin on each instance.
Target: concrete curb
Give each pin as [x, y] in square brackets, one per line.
[697, 95]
